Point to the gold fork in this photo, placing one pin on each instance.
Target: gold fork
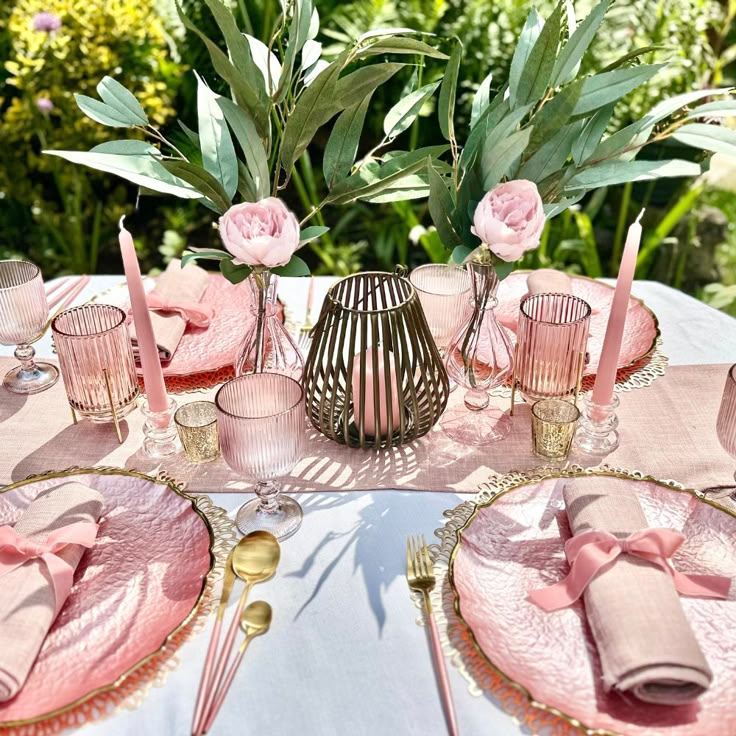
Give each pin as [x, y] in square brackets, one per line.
[420, 576]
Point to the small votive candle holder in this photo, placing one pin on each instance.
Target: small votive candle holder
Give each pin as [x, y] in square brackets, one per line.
[197, 426]
[160, 431]
[553, 427]
[597, 433]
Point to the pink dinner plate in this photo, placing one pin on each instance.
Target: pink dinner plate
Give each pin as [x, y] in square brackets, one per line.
[640, 333]
[204, 350]
[133, 591]
[514, 543]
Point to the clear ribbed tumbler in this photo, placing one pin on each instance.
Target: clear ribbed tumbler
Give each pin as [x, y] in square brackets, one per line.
[262, 425]
[96, 361]
[552, 337]
[444, 293]
[23, 314]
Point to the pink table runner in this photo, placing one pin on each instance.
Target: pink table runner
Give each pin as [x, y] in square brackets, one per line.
[667, 430]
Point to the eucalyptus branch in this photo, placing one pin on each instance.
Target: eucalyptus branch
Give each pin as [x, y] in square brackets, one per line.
[154, 133]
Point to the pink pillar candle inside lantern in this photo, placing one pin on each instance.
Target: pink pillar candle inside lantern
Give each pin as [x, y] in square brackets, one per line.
[153, 377]
[372, 426]
[608, 365]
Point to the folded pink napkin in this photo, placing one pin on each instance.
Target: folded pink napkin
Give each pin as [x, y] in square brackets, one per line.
[37, 564]
[177, 290]
[645, 643]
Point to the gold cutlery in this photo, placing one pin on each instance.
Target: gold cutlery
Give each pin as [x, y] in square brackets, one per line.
[254, 560]
[255, 621]
[420, 576]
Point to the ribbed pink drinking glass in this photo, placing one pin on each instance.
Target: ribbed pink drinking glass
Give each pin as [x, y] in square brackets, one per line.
[262, 425]
[726, 424]
[96, 361]
[444, 293]
[552, 337]
[23, 314]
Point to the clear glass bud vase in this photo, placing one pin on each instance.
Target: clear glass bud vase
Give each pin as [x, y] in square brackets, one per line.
[267, 347]
[479, 357]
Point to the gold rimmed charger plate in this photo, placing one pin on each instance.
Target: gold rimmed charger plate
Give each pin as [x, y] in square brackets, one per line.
[134, 683]
[476, 666]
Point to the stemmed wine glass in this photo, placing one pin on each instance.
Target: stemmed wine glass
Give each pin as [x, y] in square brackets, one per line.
[262, 424]
[444, 293]
[23, 315]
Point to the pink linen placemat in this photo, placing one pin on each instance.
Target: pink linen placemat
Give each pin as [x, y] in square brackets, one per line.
[667, 430]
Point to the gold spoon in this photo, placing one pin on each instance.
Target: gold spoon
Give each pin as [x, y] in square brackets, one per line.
[255, 559]
[256, 620]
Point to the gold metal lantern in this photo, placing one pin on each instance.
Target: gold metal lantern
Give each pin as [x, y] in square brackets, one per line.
[374, 377]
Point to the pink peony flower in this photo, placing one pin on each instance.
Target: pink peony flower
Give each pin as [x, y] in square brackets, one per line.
[44, 104]
[46, 22]
[510, 219]
[264, 233]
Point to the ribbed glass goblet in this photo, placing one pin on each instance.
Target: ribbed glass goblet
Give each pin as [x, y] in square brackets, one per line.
[23, 315]
[262, 424]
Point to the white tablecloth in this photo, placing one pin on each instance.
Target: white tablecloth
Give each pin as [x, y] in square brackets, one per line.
[344, 655]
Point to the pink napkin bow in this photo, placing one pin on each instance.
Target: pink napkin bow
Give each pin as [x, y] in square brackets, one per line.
[195, 313]
[16, 550]
[591, 552]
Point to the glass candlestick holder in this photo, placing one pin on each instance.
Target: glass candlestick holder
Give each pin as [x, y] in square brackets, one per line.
[160, 431]
[597, 434]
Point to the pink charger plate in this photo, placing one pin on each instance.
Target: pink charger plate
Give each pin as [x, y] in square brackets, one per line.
[641, 329]
[203, 350]
[137, 587]
[514, 544]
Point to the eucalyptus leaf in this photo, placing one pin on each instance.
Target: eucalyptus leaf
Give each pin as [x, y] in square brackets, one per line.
[405, 111]
[295, 267]
[555, 208]
[216, 145]
[665, 108]
[489, 118]
[632, 55]
[311, 52]
[529, 35]
[247, 93]
[203, 254]
[202, 180]
[104, 114]
[246, 134]
[399, 45]
[441, 208]
[624, 144]
[591, 135]
[552, 155]
[115, 95]
[355, 86]
[603, 89]
[414, 186]
[497, 159]
[314, 71]
[460, 253]
[246, 184]
[298, 35]
[619, 172]
[573, 51]
[395, 160]
[358, 186]
[448, 93]
[481, 100]
[555, 114]
[718, 109]
[716, 138]
[504, 268]
[308, 234]
[342, 145]
[535, 77]
[380, 32]
[234, 273]
[136, 161]
[266, 62]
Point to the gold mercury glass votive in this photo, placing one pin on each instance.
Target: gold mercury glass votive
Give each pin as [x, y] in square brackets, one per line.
[553, 427]
[197, 426]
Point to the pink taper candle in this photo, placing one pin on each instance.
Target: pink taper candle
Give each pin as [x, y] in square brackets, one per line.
[608, 366]
[153, 376]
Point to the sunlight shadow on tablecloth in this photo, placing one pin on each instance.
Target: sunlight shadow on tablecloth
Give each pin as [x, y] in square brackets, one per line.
[10, 404]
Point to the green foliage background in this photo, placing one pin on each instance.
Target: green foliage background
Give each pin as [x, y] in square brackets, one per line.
[65, 217]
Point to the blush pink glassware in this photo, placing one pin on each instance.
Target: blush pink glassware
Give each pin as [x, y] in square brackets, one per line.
[262, 424]
[95, 355]
[23, 314]
[552, 337]
[444, 293]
